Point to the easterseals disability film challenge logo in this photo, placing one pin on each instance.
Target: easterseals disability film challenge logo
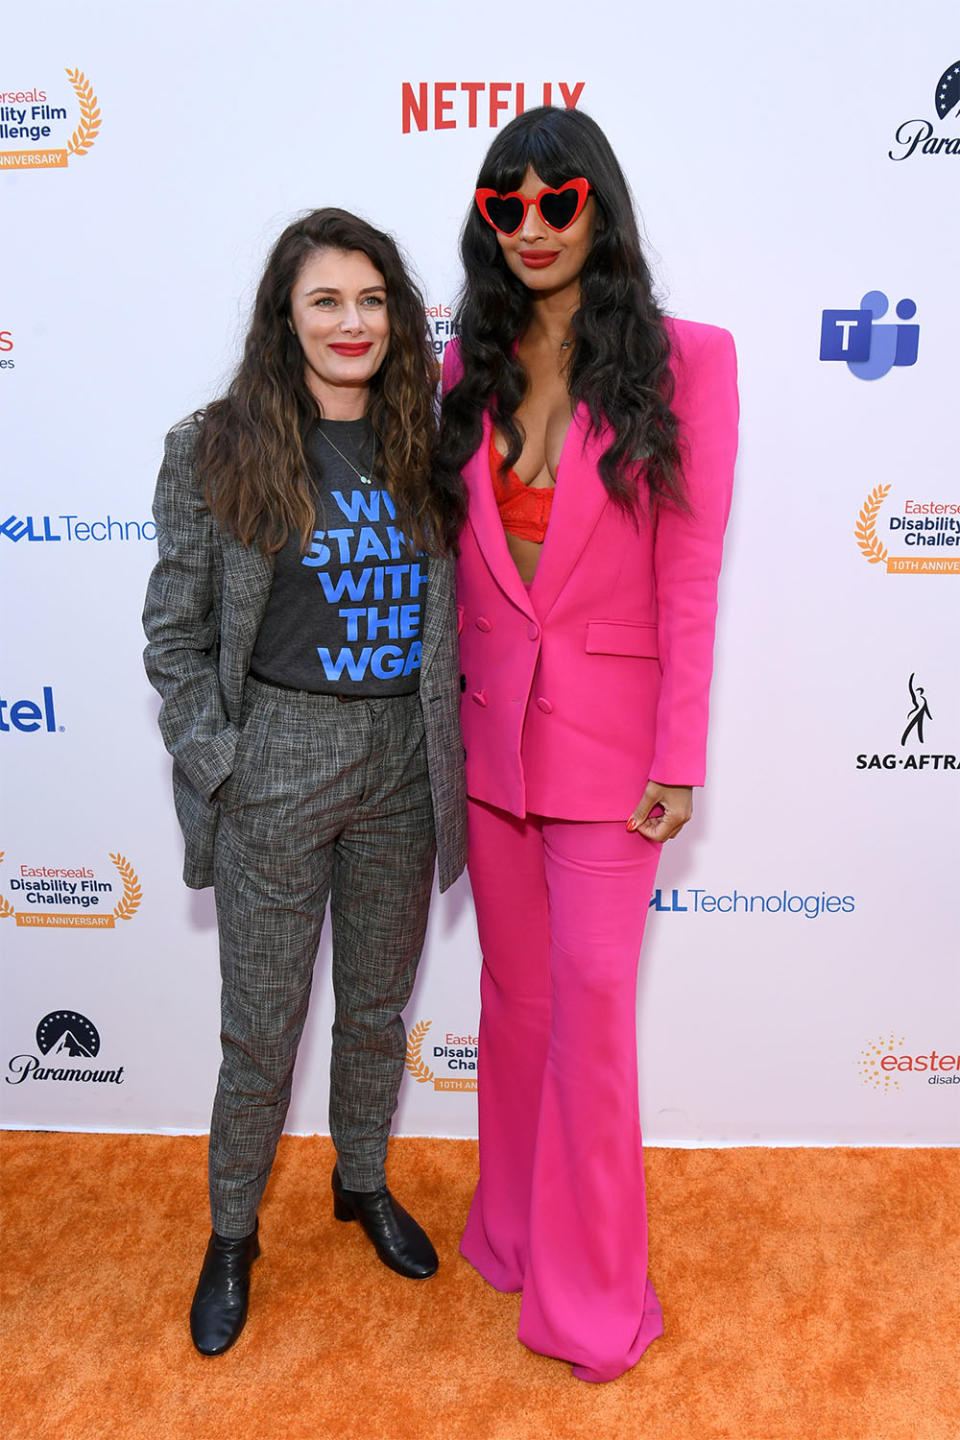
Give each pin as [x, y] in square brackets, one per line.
[439, 326]
[69, 897]
[884, 1065]
[457, 1055]
[911, 753]
[919, 136]
[925, 531]
[43, 129]
[64, 1035]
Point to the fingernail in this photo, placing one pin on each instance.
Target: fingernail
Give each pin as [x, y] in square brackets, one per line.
[631, 823]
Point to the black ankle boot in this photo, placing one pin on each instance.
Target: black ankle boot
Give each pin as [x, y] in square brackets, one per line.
[397, 1238]
[219, 1309]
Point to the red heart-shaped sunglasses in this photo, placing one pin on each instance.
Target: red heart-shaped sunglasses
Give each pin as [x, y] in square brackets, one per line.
[557, 208]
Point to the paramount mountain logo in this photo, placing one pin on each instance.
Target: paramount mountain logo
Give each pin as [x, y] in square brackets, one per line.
[917, 137]
[457, 1054]
[64, 1035]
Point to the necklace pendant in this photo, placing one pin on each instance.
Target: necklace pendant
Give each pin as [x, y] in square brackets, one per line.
[365, 480]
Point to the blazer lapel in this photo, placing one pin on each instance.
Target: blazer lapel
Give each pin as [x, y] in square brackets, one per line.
[488, 528]
[578, 503]
[247, 578]
[439, 607]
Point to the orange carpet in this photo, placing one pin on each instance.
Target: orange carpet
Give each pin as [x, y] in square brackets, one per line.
[807, 1295]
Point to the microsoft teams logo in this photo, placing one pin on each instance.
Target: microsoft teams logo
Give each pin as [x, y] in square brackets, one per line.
[870, 350]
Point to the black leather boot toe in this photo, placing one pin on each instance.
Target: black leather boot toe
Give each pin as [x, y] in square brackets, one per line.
[400, 1242]
[219, 1309]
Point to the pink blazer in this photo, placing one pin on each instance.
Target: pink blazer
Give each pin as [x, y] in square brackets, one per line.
[597, 679]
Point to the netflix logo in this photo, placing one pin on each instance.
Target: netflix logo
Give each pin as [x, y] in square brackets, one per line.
[467, 104]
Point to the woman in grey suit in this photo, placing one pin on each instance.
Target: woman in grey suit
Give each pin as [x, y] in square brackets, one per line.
[301, 630]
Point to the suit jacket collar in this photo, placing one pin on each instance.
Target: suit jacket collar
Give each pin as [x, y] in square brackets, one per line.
[247, 578]
[437, 608]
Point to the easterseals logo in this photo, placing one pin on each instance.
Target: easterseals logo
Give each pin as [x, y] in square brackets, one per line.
[741, 902]
[30, 116]
[917, 720]
[928, 529]
[440, 327]
[870, 350]
[917, 137]
[64, 1035]
[469, 104]
[74, 529]
[884, 1065]
[6, 346]
[69, 897]
[457, 1055]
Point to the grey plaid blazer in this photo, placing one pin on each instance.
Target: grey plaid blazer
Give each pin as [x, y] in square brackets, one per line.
[205, 601]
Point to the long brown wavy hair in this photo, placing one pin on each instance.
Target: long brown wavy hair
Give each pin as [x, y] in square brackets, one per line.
[258, 482]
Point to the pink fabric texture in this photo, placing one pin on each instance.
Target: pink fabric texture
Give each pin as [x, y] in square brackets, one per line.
[597, 679]
[577, 690]
[560, 1210]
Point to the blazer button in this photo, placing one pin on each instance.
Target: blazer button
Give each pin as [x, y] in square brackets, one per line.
[545, 706]
[533, 631]
[482, 623]
[479, 698]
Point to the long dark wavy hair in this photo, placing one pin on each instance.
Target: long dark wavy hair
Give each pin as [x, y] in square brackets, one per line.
[620, 357]
[250, 452]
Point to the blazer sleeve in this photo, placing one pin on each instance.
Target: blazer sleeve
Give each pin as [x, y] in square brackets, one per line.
[688, 548]
[181, 621]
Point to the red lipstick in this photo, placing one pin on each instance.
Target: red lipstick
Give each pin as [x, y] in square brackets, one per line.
[358, 349]
[538, 259]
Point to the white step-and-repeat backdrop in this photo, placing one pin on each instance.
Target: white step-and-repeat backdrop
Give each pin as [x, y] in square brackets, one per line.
[797, 172]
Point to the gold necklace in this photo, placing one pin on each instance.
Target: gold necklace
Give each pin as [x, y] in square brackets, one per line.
[364, 479]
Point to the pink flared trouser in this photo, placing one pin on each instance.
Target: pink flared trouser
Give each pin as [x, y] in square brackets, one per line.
[560, 1211]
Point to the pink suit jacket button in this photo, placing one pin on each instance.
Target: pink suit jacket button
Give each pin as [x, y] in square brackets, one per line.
[482, 623]
[533, 631]
[545, 706]
[479, 698]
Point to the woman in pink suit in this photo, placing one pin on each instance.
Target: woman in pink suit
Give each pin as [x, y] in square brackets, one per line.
[597, 440]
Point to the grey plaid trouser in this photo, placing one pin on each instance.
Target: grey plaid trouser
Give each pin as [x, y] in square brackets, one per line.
[326, 798]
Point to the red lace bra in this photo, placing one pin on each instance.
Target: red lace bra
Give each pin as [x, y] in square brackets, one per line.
[524, 509]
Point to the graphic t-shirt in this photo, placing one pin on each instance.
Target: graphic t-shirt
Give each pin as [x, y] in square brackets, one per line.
[345, 617]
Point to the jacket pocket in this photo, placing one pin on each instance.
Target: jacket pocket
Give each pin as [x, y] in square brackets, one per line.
[622, 637]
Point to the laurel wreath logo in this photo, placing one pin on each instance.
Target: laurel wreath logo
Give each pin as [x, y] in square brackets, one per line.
[6, 909]
[86, 132]
[132, 894]
[871, 547]
[415, 1063]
